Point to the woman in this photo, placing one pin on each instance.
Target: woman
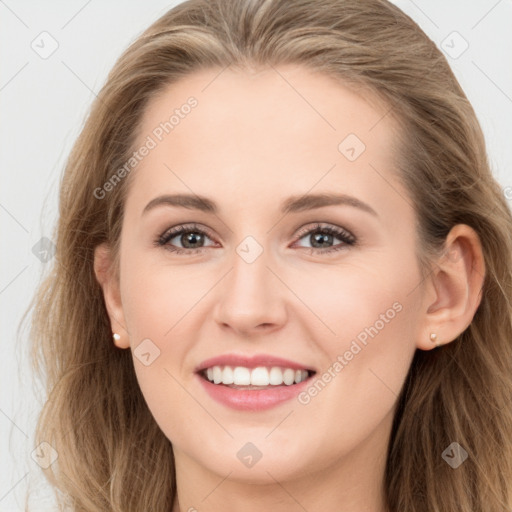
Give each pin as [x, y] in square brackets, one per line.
[283, 275]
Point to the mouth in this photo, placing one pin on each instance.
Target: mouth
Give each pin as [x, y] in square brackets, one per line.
[252, 383]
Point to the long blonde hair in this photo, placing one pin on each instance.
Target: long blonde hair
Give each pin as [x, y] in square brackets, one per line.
[112, 455]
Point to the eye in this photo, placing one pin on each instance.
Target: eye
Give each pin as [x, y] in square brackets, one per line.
[321, 236]
[190, 236]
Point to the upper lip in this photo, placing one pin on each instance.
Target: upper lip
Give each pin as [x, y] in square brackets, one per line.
[252, 361]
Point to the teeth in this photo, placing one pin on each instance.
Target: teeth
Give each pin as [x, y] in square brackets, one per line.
[241, 376]
[217, 375]
[276, 376]
[227, 375]
[260, 376]
[288, 376]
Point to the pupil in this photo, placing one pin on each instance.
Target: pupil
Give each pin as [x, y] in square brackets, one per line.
[322, 238]
[191, 238]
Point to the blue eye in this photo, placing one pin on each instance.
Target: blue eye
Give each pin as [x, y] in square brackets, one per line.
[191, 235]
[319, 235]
[188, 235]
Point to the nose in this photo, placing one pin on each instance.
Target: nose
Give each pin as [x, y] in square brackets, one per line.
[251, 299]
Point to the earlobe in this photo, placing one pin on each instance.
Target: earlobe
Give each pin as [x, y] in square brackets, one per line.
[453, 291]
[103, 270]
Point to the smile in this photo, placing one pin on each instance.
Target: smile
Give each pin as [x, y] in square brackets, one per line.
[252, 383]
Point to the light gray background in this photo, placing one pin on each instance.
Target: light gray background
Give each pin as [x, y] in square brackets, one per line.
[43, 103]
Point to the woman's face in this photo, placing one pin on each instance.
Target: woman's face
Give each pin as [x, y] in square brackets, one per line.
[301, 258]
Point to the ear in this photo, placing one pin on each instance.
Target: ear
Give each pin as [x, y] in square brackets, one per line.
[105, 275]
[453, 290]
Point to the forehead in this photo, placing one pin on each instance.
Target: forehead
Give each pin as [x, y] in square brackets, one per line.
[291, 97]
[266, 131]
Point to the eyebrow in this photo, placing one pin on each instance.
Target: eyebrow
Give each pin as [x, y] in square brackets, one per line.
[292, 205]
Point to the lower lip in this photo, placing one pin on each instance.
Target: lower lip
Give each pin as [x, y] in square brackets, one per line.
[252, 399]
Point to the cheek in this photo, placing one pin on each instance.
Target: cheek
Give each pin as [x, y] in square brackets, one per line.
[372, 316]
[375, 317]
[358, 389]
[353, 297]
[157, 295]
[162, 305]
[155, 304]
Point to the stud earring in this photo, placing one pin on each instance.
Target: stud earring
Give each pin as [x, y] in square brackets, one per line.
[116, 336]
[433, 339]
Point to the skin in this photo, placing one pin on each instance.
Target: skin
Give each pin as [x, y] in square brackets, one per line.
[253, 141]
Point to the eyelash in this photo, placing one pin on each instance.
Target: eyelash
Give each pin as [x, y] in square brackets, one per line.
[347, 238]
